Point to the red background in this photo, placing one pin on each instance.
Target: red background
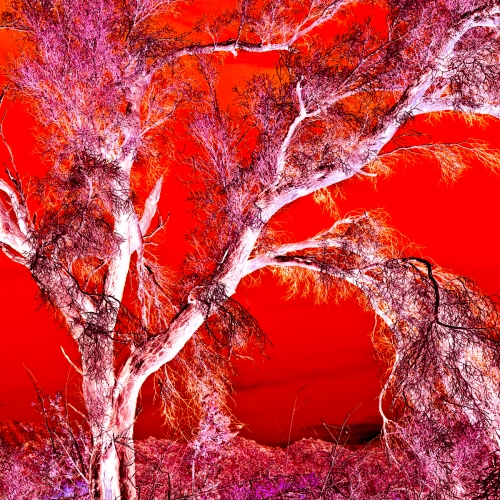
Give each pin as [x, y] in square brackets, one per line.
[321, 360]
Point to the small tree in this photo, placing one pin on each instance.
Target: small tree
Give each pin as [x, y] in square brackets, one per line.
[112, 84]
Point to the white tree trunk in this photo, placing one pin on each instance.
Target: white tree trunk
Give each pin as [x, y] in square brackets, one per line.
[109, 476]
[112, 468]
[111, 406]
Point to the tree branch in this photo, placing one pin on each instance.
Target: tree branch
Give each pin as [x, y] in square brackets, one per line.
[303, 114]
[11, 235]
[437, 104]
[233, 45]
[369, 147]
[150, 207]
[321, 240]
[68, 359]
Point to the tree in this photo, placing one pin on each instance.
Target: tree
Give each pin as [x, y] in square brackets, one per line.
[114, 84]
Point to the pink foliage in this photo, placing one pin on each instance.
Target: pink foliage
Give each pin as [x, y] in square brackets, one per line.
[455, 464]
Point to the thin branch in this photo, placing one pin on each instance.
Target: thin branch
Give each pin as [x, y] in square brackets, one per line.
[150, 207]
[303, 115]
[78, 370]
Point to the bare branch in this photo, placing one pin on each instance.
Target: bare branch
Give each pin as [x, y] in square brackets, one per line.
[68, 359]
[323, 11]
[150, 207]
[303, 115]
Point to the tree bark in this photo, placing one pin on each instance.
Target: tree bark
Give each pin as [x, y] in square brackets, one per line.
[104, 473]
[113, 473]
[112, 468]
[111, 406]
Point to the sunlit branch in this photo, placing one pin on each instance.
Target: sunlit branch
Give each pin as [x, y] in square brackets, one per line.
[423, 334]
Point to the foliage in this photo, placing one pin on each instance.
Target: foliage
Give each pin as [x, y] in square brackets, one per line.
[48, 461]
[244, 470]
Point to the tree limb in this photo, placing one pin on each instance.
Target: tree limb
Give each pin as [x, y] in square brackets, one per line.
[150, 207]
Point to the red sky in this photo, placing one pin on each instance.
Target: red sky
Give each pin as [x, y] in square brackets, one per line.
[323, 350]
